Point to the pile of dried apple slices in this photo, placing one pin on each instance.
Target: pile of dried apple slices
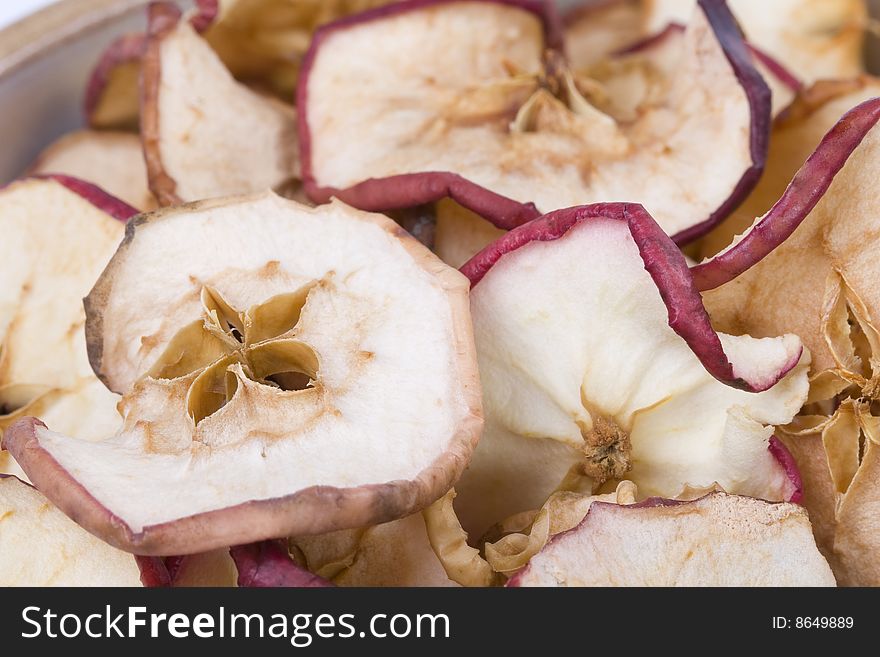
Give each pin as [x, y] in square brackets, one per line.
[367, 293]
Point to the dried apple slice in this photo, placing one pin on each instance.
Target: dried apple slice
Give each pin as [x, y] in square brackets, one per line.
[40, 546]
[264, 40]
[58, 234]
[112, 99]
[114, 161]
[596, 353]
[55, 242]
[814, 38]
[85, 409]
[321, 360]
[465, 87]
[395, 553]
[717, 540]
[204, 134]
[814, 240]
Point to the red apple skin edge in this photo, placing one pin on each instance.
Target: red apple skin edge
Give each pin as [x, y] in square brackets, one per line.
[268, 565]
[153, 570]
[803, 193]
[130, 48]
[739, 56]
[162, 19]
[410, 190]
[663, 261]
[95, 195]
[776, 67]
[126, 49]
[786, 461]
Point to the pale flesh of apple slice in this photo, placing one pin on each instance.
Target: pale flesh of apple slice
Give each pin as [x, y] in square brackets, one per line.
[717, 540]
[86, 410]
[464, 87]
[40, 546]
[310, 370]
[635, 76]
[816, 39]
[628, 83]
[55, 244]
[596, 29]
[58, 234]
[204, 134]
[595, 352]
[396, 553]
[114, 161]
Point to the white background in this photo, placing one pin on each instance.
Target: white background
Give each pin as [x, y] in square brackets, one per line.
[12, 10]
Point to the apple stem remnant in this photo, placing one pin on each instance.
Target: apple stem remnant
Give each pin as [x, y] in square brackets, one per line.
[607, 449]
[95, 195]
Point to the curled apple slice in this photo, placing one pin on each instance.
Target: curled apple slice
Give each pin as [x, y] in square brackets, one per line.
[40, 546]
[312, 370]
[815, 244]
[114, 161]
[112, 99]
[465, 87]
[204, 134]
[717, 540]
[596, 354]
[814, 38]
